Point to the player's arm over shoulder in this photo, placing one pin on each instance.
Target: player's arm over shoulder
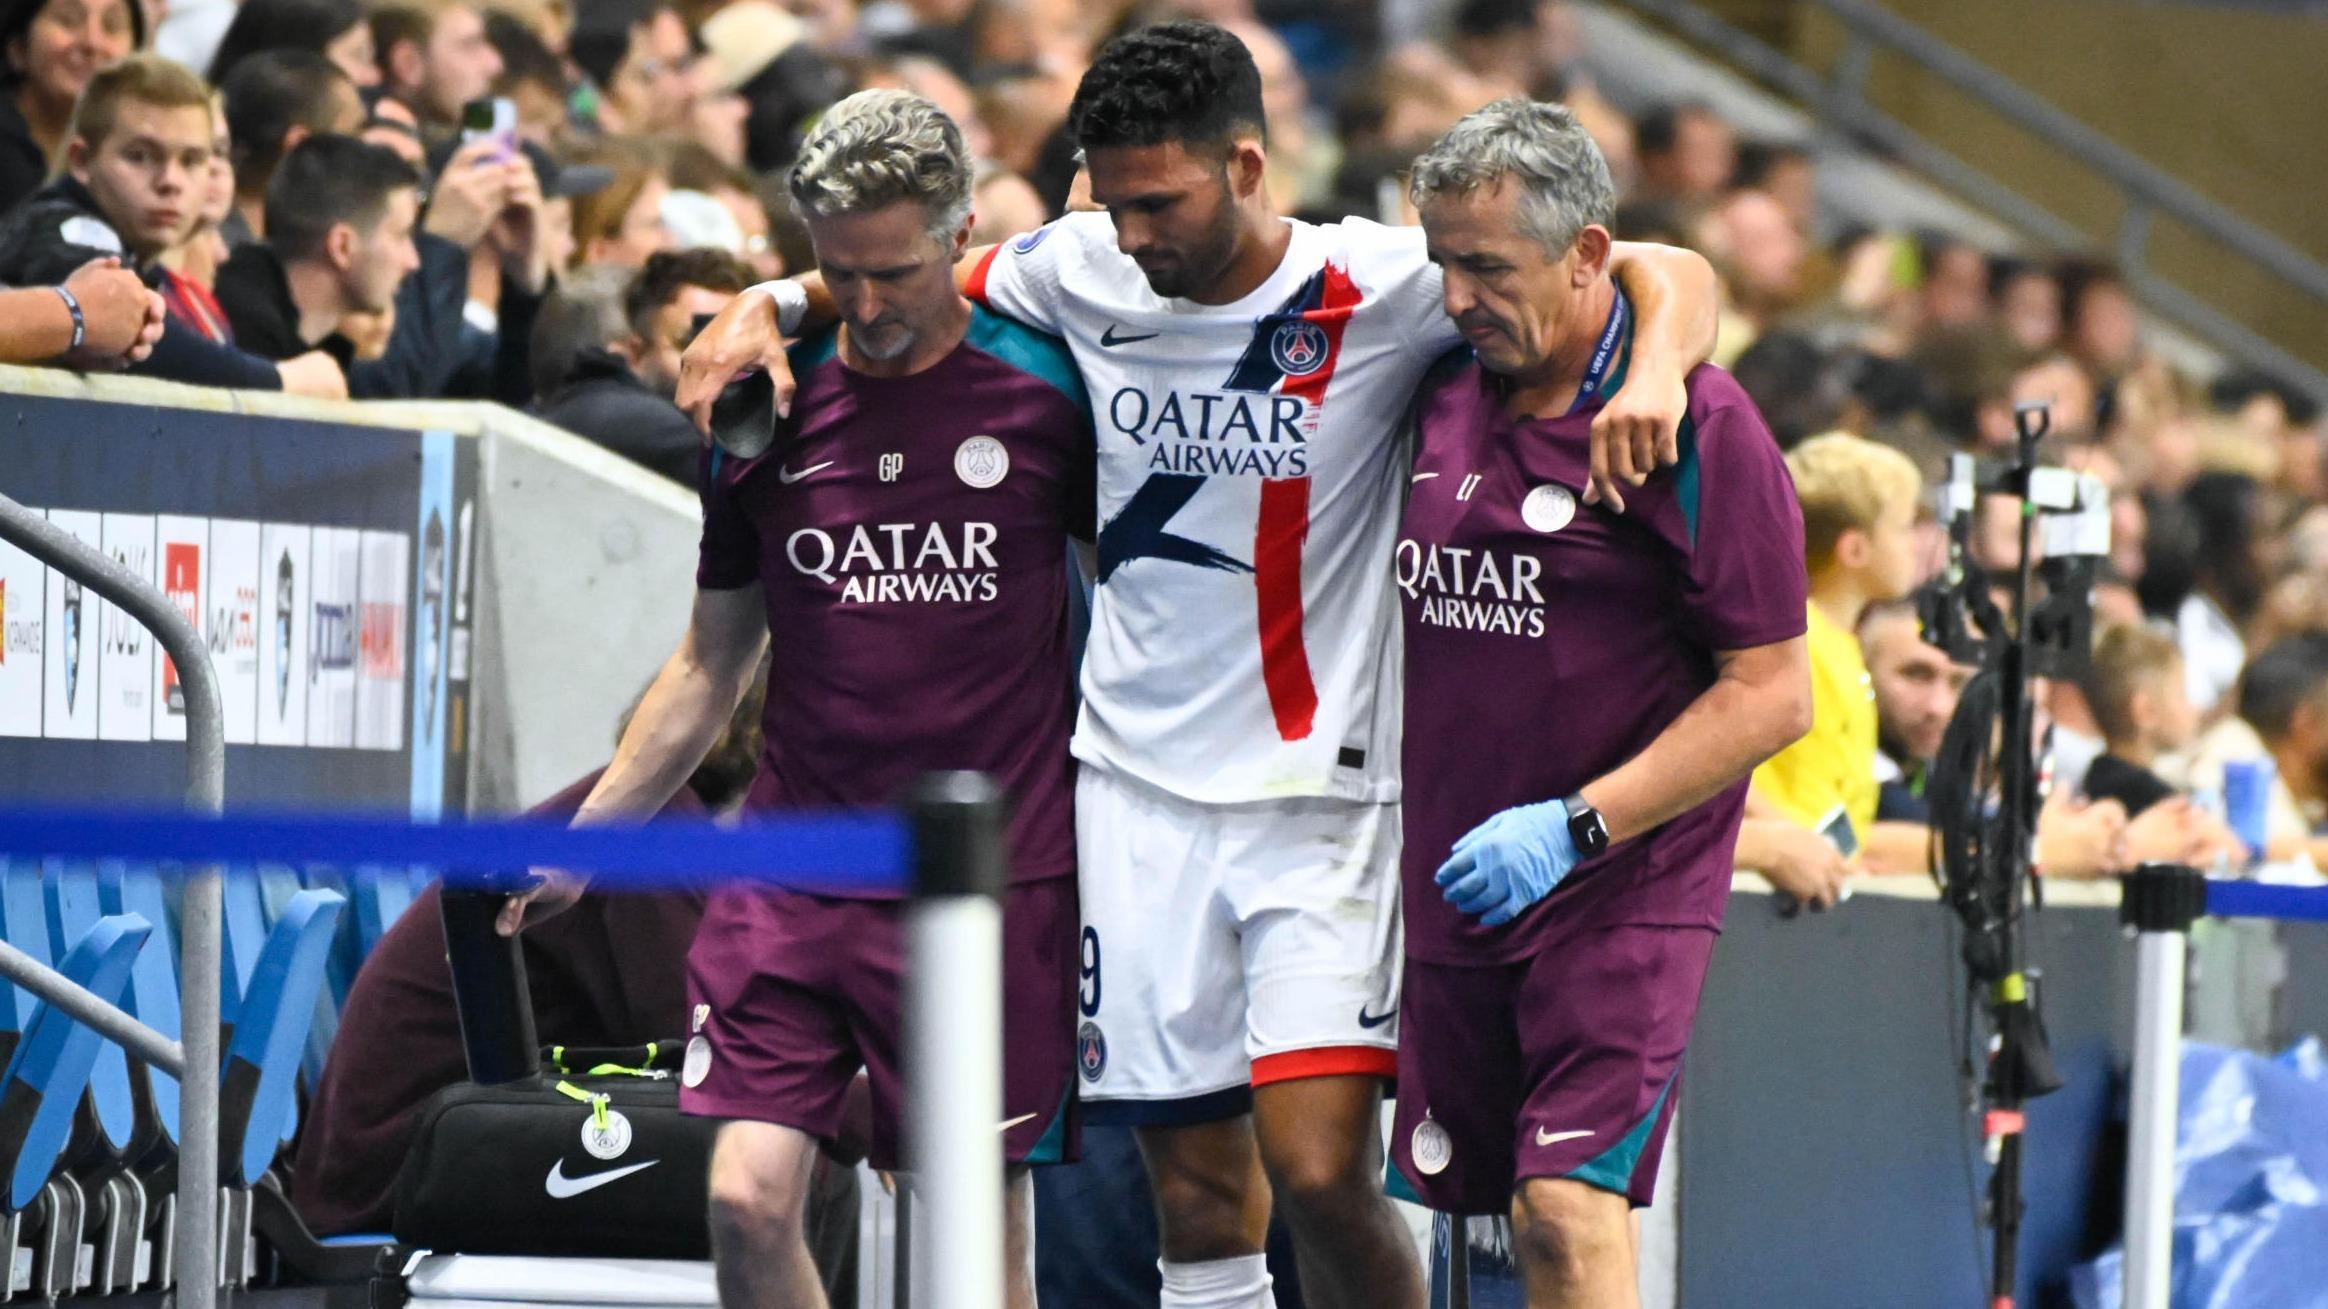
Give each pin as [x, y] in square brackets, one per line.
[1027, 275]
[1679, 298]
[1392, 266]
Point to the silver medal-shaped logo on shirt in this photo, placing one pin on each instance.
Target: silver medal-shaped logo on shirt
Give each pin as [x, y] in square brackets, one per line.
[981, 462]
[1548, 508]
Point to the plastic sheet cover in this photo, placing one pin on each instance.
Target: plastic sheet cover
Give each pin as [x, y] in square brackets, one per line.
[2251, 1186]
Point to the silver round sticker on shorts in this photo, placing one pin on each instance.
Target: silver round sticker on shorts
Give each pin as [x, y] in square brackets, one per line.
[1433, 1148]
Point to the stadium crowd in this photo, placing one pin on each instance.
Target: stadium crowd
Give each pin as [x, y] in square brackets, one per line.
[323, 197]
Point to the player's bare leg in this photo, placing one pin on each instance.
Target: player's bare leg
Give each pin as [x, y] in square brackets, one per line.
[759, 1206]
[1321, 1144]
[1212, 1199]
[1575, 1246]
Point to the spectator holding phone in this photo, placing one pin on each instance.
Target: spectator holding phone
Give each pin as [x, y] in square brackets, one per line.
[514, 255]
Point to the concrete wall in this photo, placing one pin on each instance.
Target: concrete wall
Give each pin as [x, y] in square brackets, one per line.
[587, 579]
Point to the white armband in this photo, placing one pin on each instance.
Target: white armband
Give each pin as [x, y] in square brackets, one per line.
[791, 303]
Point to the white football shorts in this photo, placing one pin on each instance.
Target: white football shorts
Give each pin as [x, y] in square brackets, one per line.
[1227, 946]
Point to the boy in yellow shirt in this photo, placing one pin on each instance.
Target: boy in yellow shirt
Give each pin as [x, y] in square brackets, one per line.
[1859, 503]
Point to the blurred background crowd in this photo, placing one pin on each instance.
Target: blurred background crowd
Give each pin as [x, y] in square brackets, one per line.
[329, 202]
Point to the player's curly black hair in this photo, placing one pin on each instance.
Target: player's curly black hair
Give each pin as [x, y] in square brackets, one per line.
[1185, 82]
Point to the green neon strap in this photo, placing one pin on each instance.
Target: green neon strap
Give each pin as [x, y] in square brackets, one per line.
[597, 1103]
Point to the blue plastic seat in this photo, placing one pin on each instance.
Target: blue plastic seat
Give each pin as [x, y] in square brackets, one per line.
[136, 888]
[381, 896]
[242, 936]
[73, 909]
[23, 924]
[258, 1095]
[278, 885]
[53, 1063]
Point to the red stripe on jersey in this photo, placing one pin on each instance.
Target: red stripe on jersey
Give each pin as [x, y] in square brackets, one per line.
[975, 285]
[1277, 543]
[1337, 300]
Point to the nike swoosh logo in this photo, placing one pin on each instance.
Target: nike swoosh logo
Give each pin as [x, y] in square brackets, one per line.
[1368, 1020]
[788, 477]
[562, 1187]
[1422, 477]
[1109, 338]
[1010, 1123]
[1552, 1138]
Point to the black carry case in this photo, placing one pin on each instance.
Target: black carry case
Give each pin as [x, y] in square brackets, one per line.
[597, 1161]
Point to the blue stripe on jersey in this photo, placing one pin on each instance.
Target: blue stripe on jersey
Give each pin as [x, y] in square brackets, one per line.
[810, 353]
[1022, 347]
[1685, 477]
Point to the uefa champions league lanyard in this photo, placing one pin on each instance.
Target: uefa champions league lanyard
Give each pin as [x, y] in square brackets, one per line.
[1596, 371]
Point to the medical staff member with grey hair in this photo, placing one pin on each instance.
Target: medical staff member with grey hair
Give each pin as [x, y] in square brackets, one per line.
[1585, 695]
[904, 538]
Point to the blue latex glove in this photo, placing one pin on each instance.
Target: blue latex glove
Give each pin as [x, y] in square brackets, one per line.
[1509, 862]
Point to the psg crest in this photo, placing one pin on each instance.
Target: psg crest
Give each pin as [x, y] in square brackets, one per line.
[1090, 1052]
[981, 461]
[1298, 348]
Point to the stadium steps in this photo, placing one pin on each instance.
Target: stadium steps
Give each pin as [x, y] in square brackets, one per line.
[1637, 67]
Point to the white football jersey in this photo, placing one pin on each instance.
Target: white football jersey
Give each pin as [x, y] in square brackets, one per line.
[1244, 639]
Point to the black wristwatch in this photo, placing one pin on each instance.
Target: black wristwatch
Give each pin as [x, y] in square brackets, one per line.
[1586, 827]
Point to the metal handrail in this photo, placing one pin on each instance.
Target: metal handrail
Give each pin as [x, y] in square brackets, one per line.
[2145, 183]
[1840, 102]
[197, 1252]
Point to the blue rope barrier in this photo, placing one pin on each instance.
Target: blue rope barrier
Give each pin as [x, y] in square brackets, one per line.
[818, 852]
[2264, 900]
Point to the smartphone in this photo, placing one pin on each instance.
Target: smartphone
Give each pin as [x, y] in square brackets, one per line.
[494, 117]
[1836, 827]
